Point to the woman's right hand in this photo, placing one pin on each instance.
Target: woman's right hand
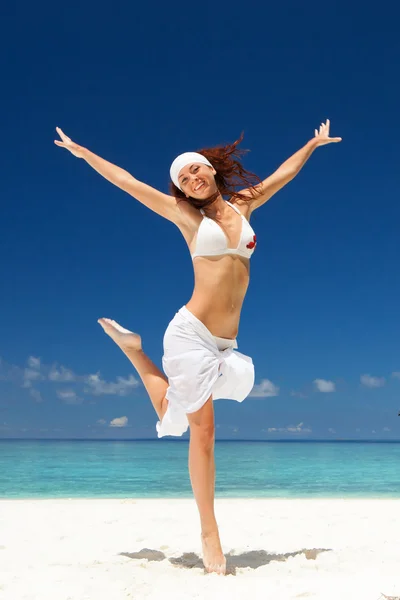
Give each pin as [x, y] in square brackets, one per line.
[67, 143]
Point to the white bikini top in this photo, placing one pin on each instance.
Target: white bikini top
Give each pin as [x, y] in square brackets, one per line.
[212, 241]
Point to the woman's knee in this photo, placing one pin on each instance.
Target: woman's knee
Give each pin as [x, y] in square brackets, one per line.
[203, 434]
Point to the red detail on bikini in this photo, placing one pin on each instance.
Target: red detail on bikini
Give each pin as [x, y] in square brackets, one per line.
[252, 244]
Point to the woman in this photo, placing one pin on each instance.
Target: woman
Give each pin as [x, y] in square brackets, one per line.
[199, 359]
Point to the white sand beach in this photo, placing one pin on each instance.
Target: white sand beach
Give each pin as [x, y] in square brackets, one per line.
[73, 550]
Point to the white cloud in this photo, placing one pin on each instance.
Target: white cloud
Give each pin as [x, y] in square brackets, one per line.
[290, 429]
[119, 422]
[396, 374]
[31, 375]
[35, 371]
[299, 428]
[122, 387]
[372, 382]
[386, 429]
[69, 396]
[33, 362]
[265, 389]
[101, 422]
[61, 374]
[323, 385]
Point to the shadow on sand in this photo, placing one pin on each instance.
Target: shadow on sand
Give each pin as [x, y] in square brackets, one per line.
[252, 559]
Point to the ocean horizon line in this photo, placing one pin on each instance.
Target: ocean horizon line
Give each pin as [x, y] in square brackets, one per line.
[186, 440]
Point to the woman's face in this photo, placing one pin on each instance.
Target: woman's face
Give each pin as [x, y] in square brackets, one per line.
[197, 181]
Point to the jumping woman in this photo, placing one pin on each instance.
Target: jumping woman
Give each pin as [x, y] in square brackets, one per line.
[200, 360]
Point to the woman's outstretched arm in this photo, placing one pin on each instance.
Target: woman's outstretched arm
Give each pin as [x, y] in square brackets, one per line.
[161, 203]
[291, 167]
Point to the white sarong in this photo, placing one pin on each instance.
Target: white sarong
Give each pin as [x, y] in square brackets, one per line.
[199, 365]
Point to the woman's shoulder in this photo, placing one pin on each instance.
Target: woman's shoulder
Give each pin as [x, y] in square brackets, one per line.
[242, 205]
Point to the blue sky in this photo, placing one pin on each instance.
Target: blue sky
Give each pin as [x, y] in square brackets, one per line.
[138, 84]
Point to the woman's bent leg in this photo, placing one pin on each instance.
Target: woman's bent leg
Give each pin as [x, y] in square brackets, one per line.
[153, 379]
[202, 476]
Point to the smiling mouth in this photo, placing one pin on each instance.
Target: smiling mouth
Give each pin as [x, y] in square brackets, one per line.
[199, 186]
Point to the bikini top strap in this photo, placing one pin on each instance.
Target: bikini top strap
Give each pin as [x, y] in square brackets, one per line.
[234, 208]
[202, 211]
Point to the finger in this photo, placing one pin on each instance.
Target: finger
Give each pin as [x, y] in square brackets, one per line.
[333, 140]
[316, 132]
[327, 124]
[58, 143]
[62, 134]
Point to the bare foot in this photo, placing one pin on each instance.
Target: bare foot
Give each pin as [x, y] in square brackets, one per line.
[124, 338]
[213, 557]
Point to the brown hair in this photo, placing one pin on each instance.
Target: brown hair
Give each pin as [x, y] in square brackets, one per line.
[230, 174]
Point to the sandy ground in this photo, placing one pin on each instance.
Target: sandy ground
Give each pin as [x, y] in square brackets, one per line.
[150, 549]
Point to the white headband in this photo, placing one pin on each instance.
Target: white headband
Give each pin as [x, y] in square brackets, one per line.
[185, 159]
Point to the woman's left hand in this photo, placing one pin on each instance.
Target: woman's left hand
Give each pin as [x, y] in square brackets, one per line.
[322, 136]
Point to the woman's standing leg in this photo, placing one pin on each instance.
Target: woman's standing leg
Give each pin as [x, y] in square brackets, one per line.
[201, 447]
[153, 379]
[202, 476]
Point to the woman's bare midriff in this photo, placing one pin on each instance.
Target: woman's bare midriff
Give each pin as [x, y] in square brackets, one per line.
[220, 287]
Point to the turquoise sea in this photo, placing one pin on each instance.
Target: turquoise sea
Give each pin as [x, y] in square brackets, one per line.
[158, 469]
